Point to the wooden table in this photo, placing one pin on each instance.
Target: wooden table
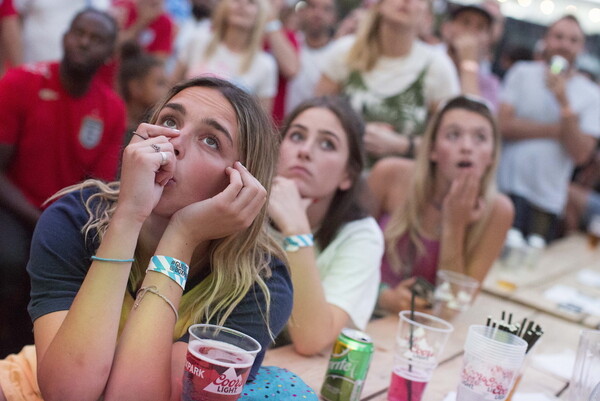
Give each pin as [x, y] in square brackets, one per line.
[559, 335]
[312, 369]
[557, 265]
[559, 259]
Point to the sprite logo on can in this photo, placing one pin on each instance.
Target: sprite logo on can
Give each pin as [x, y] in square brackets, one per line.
[340, 364]
[348, 366]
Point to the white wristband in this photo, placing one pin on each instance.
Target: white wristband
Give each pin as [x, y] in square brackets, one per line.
[273, 26]
[173, 268]
[295, 242]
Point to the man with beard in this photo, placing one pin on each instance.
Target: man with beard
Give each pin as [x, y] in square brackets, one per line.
[58, 125]
[550, 120]
[317, 19]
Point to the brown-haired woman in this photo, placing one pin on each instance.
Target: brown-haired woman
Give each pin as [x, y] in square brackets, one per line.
[317, 192]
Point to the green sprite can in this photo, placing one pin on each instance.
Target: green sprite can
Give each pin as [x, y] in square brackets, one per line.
[348, 366]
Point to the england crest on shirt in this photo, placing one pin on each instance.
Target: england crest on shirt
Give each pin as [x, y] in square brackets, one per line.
[90, 132]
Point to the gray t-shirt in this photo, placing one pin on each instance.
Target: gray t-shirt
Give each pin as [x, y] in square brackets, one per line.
[540, 169]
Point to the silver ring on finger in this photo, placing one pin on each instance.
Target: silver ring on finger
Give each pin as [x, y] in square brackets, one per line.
[164, 158]
[155, 147]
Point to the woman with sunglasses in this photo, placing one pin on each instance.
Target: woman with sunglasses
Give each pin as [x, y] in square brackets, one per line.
[452, 216]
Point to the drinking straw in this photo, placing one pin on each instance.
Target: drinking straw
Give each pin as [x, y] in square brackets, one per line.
[410, 341]
[525, 330]
[522, 327]
[562, 390]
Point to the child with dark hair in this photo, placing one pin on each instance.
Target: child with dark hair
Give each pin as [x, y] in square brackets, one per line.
[142, 82]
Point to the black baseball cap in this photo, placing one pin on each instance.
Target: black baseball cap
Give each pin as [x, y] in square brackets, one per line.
[455, 9]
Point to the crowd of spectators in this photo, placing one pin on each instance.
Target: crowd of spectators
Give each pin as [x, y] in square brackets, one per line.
[75, 84]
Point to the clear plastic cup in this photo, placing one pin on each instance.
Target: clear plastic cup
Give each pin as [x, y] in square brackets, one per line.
[491, 362]
[454, 293]
[217, 364]
[420, 340]
[586, 371]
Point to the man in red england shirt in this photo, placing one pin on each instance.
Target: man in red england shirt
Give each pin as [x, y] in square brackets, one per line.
[58, 126]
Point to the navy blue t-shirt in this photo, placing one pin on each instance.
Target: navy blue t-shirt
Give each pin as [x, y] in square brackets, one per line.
[60, 259]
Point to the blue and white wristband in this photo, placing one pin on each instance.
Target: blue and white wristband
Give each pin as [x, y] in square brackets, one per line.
[295, 242]
[175, 269]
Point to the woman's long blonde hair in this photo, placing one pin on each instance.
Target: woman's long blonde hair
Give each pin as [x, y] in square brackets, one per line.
[236, 261]
[366, 49]
[408, 219]
[255, 39]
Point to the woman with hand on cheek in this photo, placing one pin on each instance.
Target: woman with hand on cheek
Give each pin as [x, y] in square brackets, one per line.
[185, 199]
[441, 211]
[333, 248]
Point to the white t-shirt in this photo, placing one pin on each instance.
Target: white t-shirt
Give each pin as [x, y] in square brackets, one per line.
[350, 269]
[260, 79]
[188, 30]
[398, 90]
[540, 169]
[302, 87]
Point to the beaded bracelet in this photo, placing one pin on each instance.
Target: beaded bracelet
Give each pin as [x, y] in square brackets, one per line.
[295, 242]
[154, 290]
[112, 260]
[173, 268]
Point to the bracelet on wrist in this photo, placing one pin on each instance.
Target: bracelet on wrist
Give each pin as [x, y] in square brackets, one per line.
[112, 260]
[469, 66]
[173, 268]
[294, 242]
[154, 290]
[273, 26]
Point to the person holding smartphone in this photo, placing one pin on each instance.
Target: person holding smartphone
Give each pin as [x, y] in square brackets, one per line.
[550, 120]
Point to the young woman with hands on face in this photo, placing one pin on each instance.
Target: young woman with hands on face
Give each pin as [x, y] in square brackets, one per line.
[185, 198]
[316, 193]
[441, 211]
